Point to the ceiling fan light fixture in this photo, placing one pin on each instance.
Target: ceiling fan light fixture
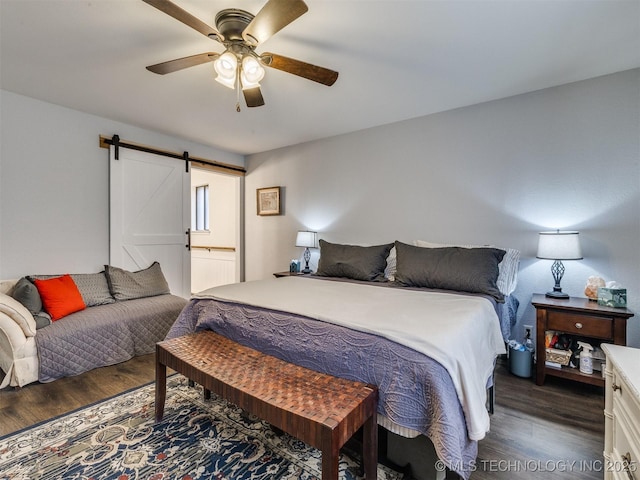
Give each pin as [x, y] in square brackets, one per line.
[226, 66]
[252, 72]
[227, 82]
[246, 84]
[239, 67]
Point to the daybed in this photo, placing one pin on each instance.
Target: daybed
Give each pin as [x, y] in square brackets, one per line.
[122, 314]
[428, 340]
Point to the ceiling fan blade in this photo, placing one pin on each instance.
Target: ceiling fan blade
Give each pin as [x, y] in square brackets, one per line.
[185, 17]
[253, 97]
[273, 17]
[180, 63]
[299, 68]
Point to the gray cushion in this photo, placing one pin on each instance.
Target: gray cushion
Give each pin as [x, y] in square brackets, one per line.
[42, 319]
[125, 285]
[93, 287]
[473, 270]
[27, 294]
[353, 261]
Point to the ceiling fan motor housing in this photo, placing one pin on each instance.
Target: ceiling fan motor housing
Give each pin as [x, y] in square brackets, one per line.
[231, 22]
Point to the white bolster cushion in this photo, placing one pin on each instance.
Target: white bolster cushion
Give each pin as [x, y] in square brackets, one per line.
[6, 286]
[18, 313]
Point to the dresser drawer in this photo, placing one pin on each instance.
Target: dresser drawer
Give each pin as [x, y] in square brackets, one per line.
[587, 325]
[626, 406]
[626, 434]
[624, 457]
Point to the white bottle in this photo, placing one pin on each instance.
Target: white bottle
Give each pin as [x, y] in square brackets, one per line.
[586, 360]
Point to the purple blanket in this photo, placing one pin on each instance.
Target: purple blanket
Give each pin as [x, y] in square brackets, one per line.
[415, 391]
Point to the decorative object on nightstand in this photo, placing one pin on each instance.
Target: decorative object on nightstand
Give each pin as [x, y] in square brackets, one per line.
[612, 295]
[591, 288]
[308, 240]
[558, 246]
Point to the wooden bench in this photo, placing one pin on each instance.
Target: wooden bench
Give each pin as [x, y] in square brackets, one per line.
[321, 410]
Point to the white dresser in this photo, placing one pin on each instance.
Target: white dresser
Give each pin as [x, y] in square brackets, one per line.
[622, 413]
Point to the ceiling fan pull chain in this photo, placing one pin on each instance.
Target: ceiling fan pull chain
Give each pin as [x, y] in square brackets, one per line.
[238, 90]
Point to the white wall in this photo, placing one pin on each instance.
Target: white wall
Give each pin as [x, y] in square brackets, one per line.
[54, 185]
[498, 173]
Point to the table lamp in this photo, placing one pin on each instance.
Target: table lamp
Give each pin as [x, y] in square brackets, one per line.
[558, 246]
[308, 240]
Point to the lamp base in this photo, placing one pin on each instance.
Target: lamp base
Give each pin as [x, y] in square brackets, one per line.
[307, 257]
[558, 295]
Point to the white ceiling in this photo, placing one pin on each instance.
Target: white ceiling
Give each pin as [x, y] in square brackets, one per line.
[397, 60]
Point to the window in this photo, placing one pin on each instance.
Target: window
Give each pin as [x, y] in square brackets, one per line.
[202, 208]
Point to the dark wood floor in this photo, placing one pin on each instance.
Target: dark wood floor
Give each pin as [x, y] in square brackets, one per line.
[36, 402]
[536, 432]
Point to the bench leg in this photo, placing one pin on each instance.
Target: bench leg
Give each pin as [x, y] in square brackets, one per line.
[330, 460]
[330, 455]
[161, 389]
[370, 448]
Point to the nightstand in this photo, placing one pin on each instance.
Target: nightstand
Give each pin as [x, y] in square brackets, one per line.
[288, 274]
[581, 317]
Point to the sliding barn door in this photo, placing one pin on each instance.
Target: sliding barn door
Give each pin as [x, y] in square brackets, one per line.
[149, 215]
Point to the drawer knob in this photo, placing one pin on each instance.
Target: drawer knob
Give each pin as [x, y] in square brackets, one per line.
[615, 387]
[578, 325]
[626, 464]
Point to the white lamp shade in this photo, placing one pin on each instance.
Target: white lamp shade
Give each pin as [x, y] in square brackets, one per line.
[227, 82]
[225, 66]
[559, 246]
[252, 72]
[306, 239]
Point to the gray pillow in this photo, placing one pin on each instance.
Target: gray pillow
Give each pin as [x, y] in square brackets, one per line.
[42, 319]
[125, 285]
[27, 294]
[93, 287]
[473, 270]
[353, 261]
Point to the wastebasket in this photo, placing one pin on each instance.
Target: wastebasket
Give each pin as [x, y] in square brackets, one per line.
[520, 362]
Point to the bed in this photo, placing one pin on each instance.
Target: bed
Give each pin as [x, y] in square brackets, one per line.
[428, 339]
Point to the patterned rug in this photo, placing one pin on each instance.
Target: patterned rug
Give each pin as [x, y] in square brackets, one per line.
[197, 439]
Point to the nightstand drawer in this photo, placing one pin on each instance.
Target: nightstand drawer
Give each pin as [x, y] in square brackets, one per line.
[587, 325]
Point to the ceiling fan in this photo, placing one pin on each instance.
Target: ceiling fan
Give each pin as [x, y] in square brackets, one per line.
[240, 67]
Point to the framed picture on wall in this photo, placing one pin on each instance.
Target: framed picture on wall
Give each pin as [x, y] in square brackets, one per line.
[268, 201]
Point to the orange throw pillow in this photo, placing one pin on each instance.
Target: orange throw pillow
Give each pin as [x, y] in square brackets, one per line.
[60, 296]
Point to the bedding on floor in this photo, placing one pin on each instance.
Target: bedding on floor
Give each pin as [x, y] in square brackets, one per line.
[431, 353]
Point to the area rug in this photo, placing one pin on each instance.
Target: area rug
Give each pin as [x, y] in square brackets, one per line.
[197, 439]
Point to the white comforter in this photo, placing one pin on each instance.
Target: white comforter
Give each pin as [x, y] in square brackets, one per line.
[460, 332]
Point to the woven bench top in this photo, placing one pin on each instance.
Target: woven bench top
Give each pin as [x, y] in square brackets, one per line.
[315, 396]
